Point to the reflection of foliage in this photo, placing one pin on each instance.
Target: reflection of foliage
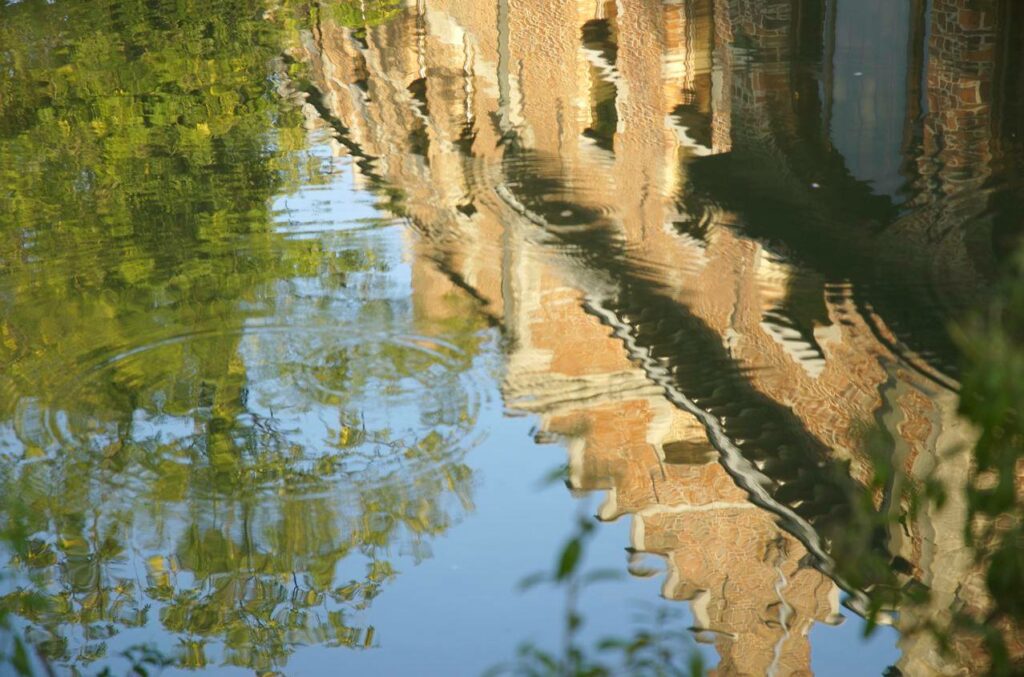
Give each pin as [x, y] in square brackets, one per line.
[984, 629]
[14, 651]
[993, 400]
[254, 566]
[141, 659]
[145, 144]
[861, 549]
[361, 13]
[68, 574]
[13, 654]
[136, 154]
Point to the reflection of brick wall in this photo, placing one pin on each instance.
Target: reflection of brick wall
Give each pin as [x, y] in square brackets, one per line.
[623, 442]
[759, 93]
[749, 592]
[656, 462]
[619, 453]
[578, 343]
[961, 69]
[950, 197]
[721, 126]
[765, 23]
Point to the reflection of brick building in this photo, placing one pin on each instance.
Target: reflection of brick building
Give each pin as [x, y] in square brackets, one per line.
[620, 107]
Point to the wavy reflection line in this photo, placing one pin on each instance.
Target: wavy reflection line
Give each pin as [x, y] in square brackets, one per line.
[746, 475]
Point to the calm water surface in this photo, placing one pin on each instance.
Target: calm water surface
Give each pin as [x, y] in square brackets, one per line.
[300, 302]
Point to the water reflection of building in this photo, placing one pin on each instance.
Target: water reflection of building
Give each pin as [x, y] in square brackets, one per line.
[528, 142]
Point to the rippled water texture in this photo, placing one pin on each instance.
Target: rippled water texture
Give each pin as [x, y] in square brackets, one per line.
[299, 301]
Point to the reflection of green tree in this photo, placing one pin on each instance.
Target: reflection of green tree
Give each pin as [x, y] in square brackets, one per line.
[143, 143]
[137, 152]
[992, 399]
[361, 13]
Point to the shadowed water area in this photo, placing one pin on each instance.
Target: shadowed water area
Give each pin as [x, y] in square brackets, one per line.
[301, 302]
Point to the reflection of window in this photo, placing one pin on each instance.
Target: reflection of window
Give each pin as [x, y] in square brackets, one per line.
[419, 140]
[687, 70]
[688, 452]
[696, 122]
[598, 36]
[601, 49]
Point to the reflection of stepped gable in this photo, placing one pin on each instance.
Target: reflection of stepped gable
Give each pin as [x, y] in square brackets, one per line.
[532, 173]
[685, 508]
[750, 592]
[656, 465]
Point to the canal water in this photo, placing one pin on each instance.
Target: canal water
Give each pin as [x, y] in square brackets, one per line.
[448, 336]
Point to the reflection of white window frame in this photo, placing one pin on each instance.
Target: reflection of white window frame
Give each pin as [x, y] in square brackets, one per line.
[682, 66]
[610, 74]
[686, 141]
